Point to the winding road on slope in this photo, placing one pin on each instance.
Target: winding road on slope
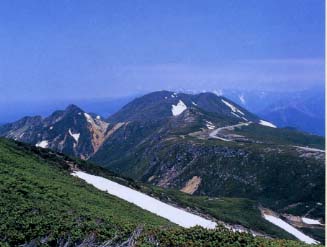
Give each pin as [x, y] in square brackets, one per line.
[214, 134]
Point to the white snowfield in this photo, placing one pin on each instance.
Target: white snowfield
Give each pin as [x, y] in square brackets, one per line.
[292, 230]
[173, 214]
[268, 124]
[179, 108]
[311, 221]
[42, 144]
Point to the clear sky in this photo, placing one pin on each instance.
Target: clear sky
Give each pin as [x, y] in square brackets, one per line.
[68, 49]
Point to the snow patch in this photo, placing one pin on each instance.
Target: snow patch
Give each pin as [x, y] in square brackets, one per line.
[193, 103]
[42, 144]
[88, 117]
[179, 108]
[51, 127]
[210, 125]
[75, 136]
[233, 108]
[175, 215]
[310, 221]
[292, 230]
[98, 117]
[268, 124]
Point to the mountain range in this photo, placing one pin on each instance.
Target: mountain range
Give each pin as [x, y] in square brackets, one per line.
[303, 110]
[202, 144]
[78, 133]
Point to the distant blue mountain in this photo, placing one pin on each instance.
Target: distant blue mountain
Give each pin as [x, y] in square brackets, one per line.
[303, 110]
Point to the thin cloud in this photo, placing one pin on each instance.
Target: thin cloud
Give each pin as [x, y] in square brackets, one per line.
[272, 74]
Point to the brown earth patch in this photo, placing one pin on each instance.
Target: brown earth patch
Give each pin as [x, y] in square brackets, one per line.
[192, 185]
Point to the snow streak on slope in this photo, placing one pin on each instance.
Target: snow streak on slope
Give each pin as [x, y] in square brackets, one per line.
[266, 123]
[88, 117]
[179, 108]
[175, 215]
[310, 149]
[233, 108]
[287, 227]
[310, 221]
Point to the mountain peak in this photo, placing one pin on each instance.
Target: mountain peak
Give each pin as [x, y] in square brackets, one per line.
[73, 108]
[166, 104]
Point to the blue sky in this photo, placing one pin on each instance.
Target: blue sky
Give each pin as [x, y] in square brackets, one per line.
[68, 49]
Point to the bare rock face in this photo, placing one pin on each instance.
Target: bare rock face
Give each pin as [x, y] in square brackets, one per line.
[71, 131]
[192, 185]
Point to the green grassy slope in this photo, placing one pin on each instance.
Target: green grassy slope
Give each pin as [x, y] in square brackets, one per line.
[238, 211]
[261, 172]
[199, 237]
[39, 200]
[42, 204]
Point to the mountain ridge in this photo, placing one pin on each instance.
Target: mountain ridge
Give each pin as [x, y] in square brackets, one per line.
[88, 136]
[168, 139]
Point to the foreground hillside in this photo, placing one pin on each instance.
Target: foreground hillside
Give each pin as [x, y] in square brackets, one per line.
[42, 204]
